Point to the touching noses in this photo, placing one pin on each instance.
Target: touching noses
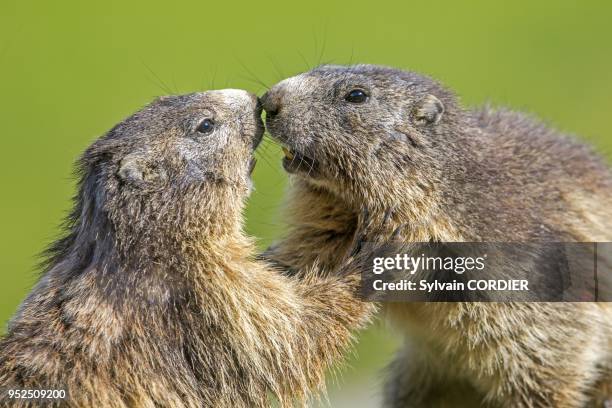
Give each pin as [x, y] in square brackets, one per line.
[271, 102]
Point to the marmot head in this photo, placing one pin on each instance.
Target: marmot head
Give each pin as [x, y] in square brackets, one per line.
[180, 163]
[365, 132]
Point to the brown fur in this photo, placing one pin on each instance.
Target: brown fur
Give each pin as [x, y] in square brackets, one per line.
[154, 298]
[450, 174]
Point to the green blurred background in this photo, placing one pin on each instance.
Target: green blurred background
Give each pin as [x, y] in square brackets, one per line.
[69, 70]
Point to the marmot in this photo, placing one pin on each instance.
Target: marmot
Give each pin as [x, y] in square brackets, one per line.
[384, 138]
[154, 297]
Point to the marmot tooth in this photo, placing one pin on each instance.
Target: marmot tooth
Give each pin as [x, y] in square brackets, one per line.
[288, 153]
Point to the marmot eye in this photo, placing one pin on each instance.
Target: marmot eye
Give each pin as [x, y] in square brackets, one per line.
[206, 126]
[356, 96]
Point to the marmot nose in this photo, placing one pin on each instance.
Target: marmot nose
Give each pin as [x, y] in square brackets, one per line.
[271, 103]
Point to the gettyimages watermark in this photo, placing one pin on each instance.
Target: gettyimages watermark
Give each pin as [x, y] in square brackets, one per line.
[488, 272]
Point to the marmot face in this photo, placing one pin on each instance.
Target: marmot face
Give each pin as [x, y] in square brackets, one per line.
[175, 152]
[348, 128]
[187, 139]
[171, 168]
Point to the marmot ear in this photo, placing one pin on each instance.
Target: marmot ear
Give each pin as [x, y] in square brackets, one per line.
[428, 111]
[134, 169]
